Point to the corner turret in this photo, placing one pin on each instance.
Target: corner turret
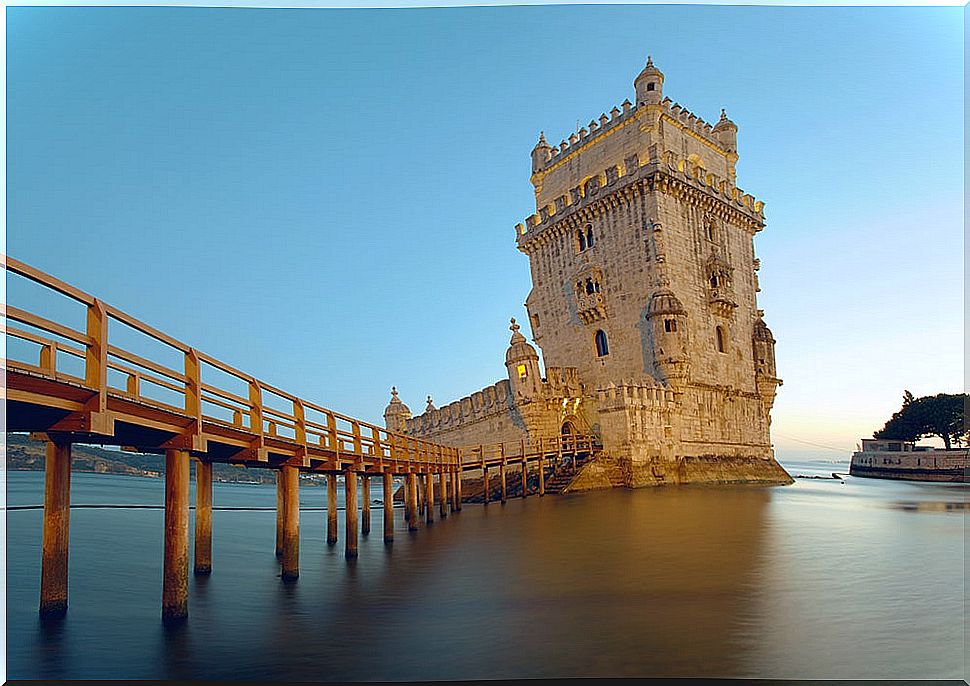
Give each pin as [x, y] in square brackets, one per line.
[668, 321]
[541, 153]
[522, 362]
[766, 376]
[396, 414]
[726, 133]
[649, 85]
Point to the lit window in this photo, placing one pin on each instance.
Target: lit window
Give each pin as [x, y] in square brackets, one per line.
[602, 348]
[521, 371]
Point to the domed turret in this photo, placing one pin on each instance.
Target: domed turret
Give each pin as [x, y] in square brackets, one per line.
[649, 85]
[668, 324]
[764, 349]
[522, 362]
[396, 414]
[726, 133]
[765, 374]
[541, 153]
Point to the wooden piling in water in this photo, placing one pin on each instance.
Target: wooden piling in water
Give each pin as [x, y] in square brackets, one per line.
[203, 517]
[458, 490]
[279, 513]
[442, 494]
[350, 511]
[525, 476]
[291, 522]
[332, 509]
[57, 512]
[365, 505]
[411, 493]
[388, 498]
[429, 496]
[175, 574]
[419, 494]
[501, 472]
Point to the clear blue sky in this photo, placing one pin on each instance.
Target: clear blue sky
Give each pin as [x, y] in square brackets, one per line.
[325, 198]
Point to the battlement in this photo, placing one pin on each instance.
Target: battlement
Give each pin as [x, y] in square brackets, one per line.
[618, 176]
[489, 401]
[690, 121]
[649, 393]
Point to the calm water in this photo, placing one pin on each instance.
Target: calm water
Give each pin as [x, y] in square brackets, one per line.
[817, 580]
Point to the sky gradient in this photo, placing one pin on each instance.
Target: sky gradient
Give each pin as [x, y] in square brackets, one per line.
[326, 198]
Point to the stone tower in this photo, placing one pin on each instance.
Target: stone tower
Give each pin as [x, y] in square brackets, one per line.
[643, 302]
[643, 273]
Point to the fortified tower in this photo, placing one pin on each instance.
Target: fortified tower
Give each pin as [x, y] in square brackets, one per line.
[644, 288]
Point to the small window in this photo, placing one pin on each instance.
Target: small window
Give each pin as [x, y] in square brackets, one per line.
[521, 371]
[715, 281]
[719, 338]
[582, 241]
[535, 320]
[589, 286]
[651, 86]
[602, 348]
[670, 325]
[589, 235]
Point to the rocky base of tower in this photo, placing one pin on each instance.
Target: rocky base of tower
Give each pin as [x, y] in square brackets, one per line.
[608, 472]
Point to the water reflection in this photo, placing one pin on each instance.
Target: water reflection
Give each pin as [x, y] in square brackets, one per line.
[814, 580]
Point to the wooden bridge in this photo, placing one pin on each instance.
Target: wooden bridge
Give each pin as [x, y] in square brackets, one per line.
[67, 385]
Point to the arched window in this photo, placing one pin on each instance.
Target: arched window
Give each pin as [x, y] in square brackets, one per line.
[602, 348]
[589, 286]
[715, 281]
[582, 241]
[589, 235]
[710, 230]
[719, 337]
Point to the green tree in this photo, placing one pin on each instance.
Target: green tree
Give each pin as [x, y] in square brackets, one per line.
[942, 415]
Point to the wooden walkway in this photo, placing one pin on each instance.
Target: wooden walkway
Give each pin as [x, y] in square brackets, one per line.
[71, 385]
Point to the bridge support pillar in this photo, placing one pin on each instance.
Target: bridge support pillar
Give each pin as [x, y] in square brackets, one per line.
[429, 496]
[332, 509]
[175, 576]
[458, 491]
[291, 522]
[419, 493]
[525, 477]
[443, 494]
[365, 505]
[279, 513]
[350, 512]
[411, 488]
[203, 517]
[485, 483]
[542, 476]
[502, 481]
[57, 512]
[388, 498]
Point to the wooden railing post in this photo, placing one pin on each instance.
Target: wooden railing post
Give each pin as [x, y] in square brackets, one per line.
[96, 419]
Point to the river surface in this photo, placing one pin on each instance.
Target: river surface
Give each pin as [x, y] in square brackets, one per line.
[821, 579]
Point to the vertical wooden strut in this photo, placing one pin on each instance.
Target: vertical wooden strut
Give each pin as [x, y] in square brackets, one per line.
[442, 494]
[291, 522]
[419, 493]
[332, 509]
[429, 496]
[57, 511]
[350, 512]
[542, 475]
[501, 472]
[365, 505]
[388, 498]
[175, 575]
[279, 513]
[411, 483]
[203, 517]
[525, 477]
